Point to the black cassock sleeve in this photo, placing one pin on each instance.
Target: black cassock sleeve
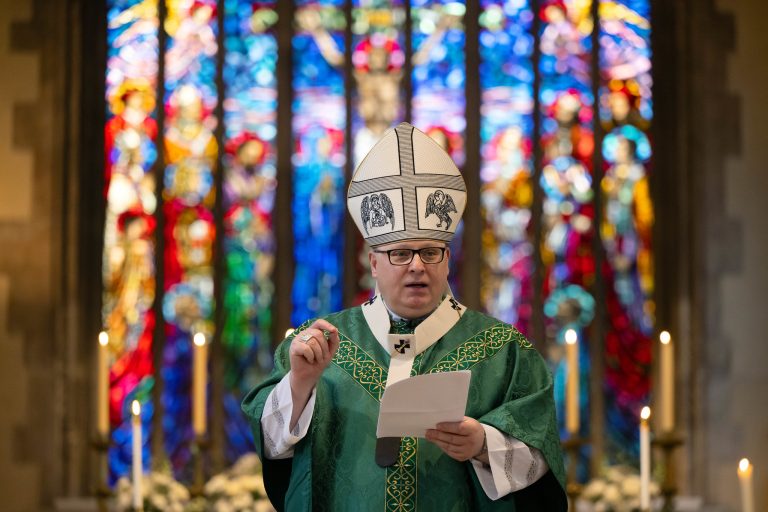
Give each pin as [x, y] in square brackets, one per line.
[545, 495]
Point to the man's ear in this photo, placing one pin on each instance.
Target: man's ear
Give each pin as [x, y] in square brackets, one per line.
[373, 261]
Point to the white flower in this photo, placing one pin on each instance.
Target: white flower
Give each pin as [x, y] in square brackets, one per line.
[179, 492]
[233, 488]
[254, 484]
[223, 506]
[593, 490]
[159, 501]
[630, 487]
[248, 464]
[612, 495]
[123, 493]
[615, 474]
[242, 501]
[633, 503]
[263, 505]
[215, 485]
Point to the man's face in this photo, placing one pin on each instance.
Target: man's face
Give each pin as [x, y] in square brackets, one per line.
[412, 290]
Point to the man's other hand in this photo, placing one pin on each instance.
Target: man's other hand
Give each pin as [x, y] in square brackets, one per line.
[460, 440]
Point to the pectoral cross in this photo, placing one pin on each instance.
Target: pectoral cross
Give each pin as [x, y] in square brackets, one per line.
[402, 346]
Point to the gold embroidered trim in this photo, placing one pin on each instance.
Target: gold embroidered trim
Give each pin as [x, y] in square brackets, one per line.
[479, 347]
[361, 366]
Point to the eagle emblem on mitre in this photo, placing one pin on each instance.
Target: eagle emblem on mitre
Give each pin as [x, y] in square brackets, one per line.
[440, 204]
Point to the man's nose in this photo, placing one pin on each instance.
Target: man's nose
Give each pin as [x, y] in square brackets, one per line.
[416, 263]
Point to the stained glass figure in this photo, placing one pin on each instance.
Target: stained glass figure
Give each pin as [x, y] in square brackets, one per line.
[128, 268]
[506, 81]
[250, 108]
[190, 155]
[628, 215]
[567, 145]
[319, 160]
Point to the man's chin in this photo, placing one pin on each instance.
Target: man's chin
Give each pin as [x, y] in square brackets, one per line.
[416, 309]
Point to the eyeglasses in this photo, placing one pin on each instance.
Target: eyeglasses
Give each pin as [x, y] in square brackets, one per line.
[429, 255]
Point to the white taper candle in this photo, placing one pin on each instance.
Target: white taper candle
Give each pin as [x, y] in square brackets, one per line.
[645, 460]
[137, 455]
[102, 385]
[572, 382]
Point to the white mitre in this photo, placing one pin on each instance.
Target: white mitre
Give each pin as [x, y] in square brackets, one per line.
[406, 188]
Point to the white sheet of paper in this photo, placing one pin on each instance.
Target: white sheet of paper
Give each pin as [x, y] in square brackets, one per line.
[413, 405]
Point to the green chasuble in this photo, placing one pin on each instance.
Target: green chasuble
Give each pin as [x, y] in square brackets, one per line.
[334, 468]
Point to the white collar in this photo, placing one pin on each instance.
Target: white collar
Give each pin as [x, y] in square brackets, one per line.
[431, 329]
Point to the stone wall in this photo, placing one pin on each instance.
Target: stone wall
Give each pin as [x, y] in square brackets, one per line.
[42, 444]
[25, 266]
[735, 356]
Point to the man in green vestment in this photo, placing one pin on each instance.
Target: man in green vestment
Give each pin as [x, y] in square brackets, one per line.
[315, 418]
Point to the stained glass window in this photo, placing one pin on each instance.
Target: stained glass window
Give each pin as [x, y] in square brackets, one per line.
[551, 72]
[129, 232]
[191, 151]
[438, 83]
[567, 144]
[250, 108]
[626, 112]
[319, 159]
[506, 133]
[378, 68]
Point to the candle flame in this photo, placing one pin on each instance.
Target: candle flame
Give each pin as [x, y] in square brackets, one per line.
[664, 337]
[744, 465]
[103, 339]
[645, 413]
[289, 332]
[199, 339]
[571, 337]
[136, 408]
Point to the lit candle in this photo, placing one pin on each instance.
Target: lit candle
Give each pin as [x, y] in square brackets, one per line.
[137, 462]
[199, 384]
[645, 460]
[572, 383]
[666, 383]
[745, 479]
[102, 386]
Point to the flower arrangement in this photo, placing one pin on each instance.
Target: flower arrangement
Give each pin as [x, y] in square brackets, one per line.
[238, 489]
[159, 492]
[618, 490]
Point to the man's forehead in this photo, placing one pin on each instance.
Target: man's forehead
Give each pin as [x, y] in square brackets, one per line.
[411, 244]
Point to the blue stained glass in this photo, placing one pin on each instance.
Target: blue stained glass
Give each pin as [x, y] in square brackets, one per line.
[250, 106]
[439, 74]
[318, 203]
[190, 154]
[506, 79]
